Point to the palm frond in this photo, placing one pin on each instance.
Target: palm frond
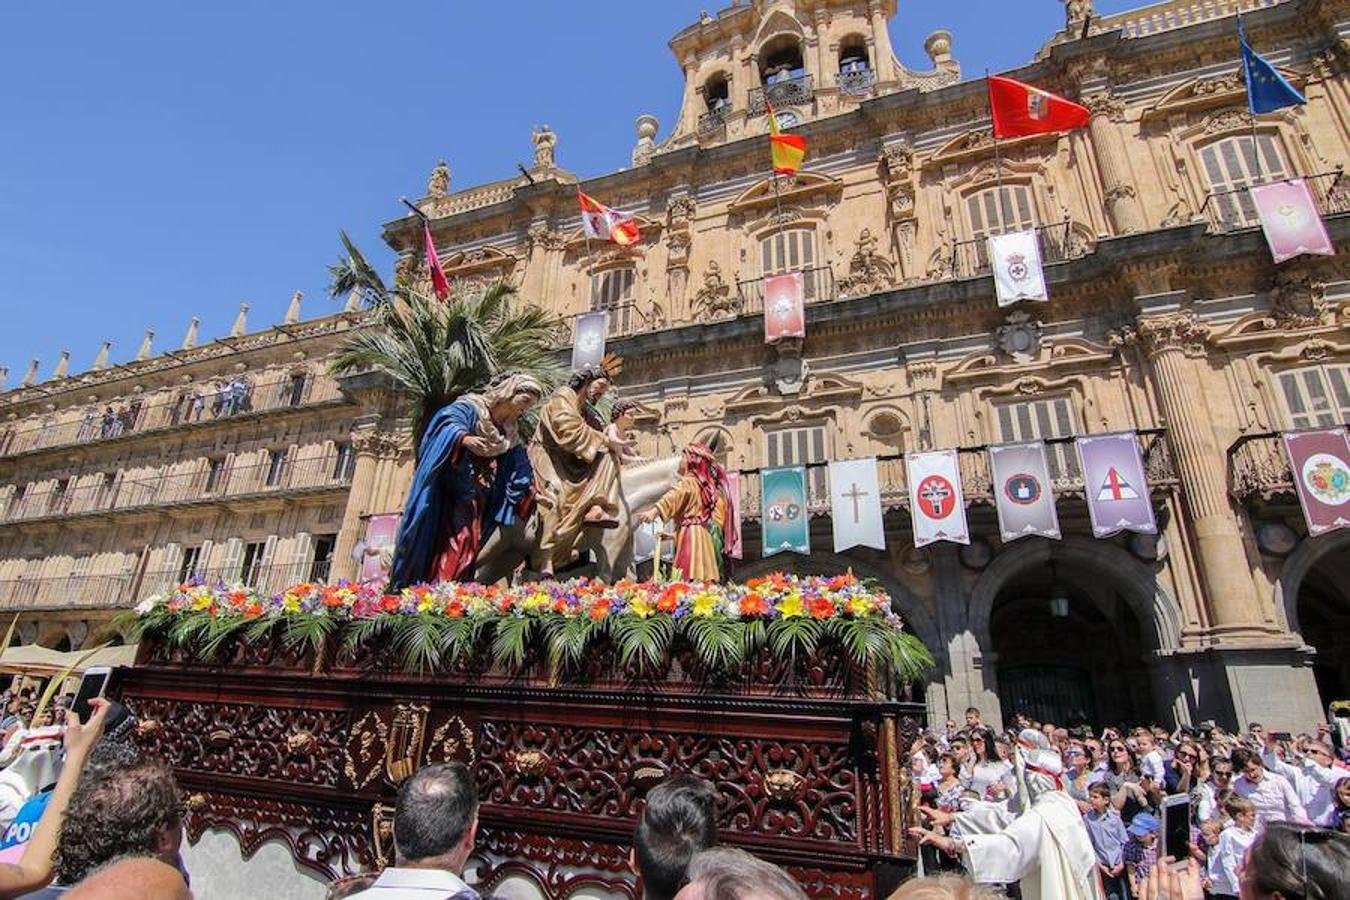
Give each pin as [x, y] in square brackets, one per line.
[354, 273]
[568, 639]
[511, 639]
[643, 640]
[793, 637]
[717, 641]
[418, 641]
[310, 631]
[909, 659]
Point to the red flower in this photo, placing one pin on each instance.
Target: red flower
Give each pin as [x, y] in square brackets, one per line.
[821, 608]
[670, 597]
[560, 605]
[252, 611]
[754, 605]
[390, 602]
[600, 610]
[454, 608]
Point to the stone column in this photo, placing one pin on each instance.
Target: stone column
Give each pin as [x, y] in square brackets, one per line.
[1122, 203]
[818, 44]
[370, 444]
[884, 64]
[689, 107]
[1173, 340]
[738, 90]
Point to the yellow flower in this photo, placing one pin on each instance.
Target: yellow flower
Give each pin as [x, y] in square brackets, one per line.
[639, 606]
[201, 601]
[428, 600]
[535, 602]
[790, 607]
[290, 603]
[705, 604]
[859, 606]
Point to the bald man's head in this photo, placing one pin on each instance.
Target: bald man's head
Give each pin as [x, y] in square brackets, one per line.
[141, 878]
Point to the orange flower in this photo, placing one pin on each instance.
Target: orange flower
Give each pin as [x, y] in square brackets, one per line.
[821, 608]
[455, 608]
[390, 602]
[600, 610]
[237, 598]
[559, 605]
[754, 605]
[332, 597]
[253, 610]
[670, 597]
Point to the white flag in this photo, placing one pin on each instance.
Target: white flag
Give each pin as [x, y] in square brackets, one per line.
[856, 505]
[935, 501]
[588, 343]
[1016, 260]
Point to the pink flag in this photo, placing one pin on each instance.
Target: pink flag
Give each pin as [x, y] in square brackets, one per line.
[783, 313]
[1290, 219]
[733, 548]
[439, 282]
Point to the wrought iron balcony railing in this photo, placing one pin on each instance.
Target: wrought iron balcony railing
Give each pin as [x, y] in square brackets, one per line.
[971, 258]
[713, 120]
[624, 320]
[203, 484]
[1233, 209]
[101, 422]
[788, 92]
[857, 83]
[817, 287]
[1258, 468]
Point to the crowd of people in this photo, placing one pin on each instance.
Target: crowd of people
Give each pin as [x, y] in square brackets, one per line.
[86, 815]
[1236, 787]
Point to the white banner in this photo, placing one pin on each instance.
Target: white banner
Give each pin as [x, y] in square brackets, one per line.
[935, 501]
[588, 341]
[855, 499]
[1016, 261]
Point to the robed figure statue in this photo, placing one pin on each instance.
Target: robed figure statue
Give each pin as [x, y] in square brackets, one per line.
[699, 505]
[472, 476]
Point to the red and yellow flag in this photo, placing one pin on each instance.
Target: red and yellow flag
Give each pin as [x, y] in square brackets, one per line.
[603, 223]
[788, 149]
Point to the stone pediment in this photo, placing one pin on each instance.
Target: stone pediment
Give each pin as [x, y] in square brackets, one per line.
[1209, 92]
[479, 260]
[978, 142]
[819, 392]
[794, 188]
[1064, 354]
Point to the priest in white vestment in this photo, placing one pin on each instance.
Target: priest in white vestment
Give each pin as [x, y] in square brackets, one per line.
[1045, 847]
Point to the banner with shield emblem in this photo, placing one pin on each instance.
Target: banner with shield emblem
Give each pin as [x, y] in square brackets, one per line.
[787, 524]
[1022, 491]
[1016, 261]
[1319, 461]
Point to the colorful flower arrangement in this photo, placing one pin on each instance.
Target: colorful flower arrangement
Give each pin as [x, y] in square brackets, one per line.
[431, 625]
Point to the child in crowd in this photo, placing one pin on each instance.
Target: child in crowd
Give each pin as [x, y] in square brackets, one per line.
[1141, 851]
[1150, 757]
[1234, 840]
[1108, 835]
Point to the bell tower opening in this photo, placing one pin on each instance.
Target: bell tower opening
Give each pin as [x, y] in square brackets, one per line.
[781, 60]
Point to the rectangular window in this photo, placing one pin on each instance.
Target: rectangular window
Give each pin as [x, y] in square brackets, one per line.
[996, 211]
[801, 446]
[295, 393]
[612, 292]
[253, 560]
[191, 565]
[1316, 397]
[792, 250]
[1034, 420]
[1231, 166]
[215, 471]
[276, 467]
[345, 463]
[322, 566]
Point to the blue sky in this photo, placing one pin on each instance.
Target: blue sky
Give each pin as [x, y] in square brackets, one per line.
[160, 159]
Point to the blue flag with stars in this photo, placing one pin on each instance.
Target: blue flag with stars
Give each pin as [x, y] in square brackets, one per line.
[1267, 89]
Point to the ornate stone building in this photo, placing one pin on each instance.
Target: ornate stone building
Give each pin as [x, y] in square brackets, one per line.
[1167, 317]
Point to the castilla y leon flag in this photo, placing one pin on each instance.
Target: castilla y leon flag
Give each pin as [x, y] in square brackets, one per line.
[439, 283]
[1290, 219]
[788, 150]
[936, 504]
[1022, 491]
[1114, 484]
[784, 314]
[1020, 109]
[1319, 461]
[785, 517]
[605, 224]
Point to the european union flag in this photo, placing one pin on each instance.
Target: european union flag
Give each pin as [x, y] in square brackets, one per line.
[1267, 89]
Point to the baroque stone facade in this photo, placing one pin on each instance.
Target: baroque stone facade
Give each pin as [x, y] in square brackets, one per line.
[1167, 317]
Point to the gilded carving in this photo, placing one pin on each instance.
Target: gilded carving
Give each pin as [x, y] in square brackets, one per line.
[403, 747]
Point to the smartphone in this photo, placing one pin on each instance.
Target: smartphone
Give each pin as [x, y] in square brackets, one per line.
[93, 684]
[1282, 736]
[1176, 827]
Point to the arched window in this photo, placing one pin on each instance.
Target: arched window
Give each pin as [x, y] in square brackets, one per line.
[717, 93]
[612, 292]
[855, 71]
[792, 250]
[781, 60]
[1231, 166]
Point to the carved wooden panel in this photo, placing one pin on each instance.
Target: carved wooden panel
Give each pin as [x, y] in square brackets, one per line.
[559, 866]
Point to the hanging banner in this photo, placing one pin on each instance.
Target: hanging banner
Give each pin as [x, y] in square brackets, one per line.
[1016, 261]
[588, 344]
[734, 547]
[1290, 219]
[935, 501]
[784, 313]
[1114, 484]
[375, 551]
[1021, 484]
[855, 504]
[786, 523]
[1319, 461]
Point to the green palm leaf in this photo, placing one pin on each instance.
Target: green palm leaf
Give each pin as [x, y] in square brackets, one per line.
[511, 639]
[643, 640]
[308, 630]
[568, 639]
[718, 642]
[790, 637]
[417, 640]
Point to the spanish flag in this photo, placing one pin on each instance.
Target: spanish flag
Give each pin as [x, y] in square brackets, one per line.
[788, 149]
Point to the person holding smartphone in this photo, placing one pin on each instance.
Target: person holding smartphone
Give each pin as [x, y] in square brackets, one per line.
[1273, 795]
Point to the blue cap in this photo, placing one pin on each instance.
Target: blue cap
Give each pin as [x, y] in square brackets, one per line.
[1142, 824]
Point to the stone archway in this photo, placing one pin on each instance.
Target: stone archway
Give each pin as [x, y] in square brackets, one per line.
[1071, 632]
[1312, 593]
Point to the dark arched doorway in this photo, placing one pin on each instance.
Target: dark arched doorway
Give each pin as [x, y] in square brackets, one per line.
[1324, 621]
[1069, 649]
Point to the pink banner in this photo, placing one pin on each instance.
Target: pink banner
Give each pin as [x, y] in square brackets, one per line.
[1290, 219]
[733, 548]
[1320, 465]
[784, 314]
[377, 547]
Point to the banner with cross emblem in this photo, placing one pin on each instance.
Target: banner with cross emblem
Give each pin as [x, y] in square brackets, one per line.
[1016, 261]
[1114, 484]
[855, 501]
[786, 518]
[935, 501]
[1022, 491]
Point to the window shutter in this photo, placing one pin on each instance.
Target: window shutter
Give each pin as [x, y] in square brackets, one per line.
[173, 559]
[267, 575]
[234, 560]
[302, 557]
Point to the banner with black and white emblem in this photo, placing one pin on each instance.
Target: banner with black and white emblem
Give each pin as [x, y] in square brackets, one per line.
[1016, 261]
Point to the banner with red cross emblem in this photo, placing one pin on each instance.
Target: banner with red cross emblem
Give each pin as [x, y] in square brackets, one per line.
[1016, 261]
[935, 502]
[1114, 484]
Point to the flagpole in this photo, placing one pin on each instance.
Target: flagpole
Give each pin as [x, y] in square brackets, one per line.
[998, 155]
[1251, 116]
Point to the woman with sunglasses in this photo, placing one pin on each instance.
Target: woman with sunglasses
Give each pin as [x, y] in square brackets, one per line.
[991, 778]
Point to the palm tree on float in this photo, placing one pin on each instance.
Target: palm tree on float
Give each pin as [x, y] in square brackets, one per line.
[435, 351]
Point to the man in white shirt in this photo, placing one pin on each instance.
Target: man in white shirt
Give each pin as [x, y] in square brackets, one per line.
[1273, 796]
[1312, 775]
[435, 825]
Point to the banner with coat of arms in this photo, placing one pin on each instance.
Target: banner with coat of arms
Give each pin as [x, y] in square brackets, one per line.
[785, 518]
[588, 344]
[936, 504]
[1290, 220]
[1319, 461]
[784, 313]
[1022, 491]
[1016, 261]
